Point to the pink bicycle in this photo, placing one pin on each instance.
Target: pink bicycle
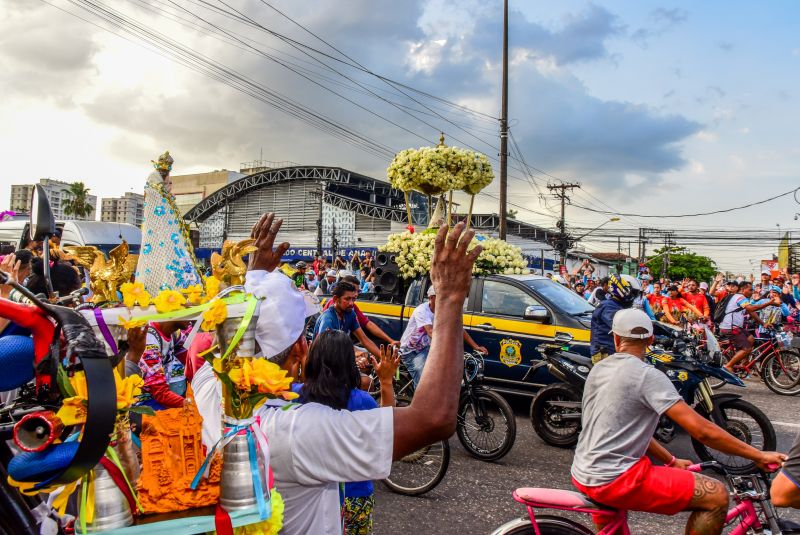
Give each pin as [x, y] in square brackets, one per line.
[752, 512]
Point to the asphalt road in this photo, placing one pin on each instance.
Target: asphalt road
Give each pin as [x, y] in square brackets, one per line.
[475, 496]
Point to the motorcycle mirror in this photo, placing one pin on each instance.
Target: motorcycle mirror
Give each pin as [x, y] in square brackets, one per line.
[43, 222]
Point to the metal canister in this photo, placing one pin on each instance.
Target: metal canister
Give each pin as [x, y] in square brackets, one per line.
[236, 484]
[111, 509]
[227, 330]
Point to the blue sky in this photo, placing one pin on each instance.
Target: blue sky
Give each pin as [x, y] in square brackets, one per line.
[655, 107]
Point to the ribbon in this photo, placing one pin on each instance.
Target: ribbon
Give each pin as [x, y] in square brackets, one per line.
[133, 499]
[188, 313]
[87, 501]
[222, 521]
[101, 324]
[256, 440]
[248, 316]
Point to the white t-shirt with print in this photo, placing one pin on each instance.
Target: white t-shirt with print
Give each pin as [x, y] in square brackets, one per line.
[414, 337]
[733, 318]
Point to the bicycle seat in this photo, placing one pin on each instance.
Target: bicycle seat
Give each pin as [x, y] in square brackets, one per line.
[566, 499]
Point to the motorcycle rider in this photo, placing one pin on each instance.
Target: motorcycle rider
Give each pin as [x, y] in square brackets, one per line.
[623, 400]
[622, 291]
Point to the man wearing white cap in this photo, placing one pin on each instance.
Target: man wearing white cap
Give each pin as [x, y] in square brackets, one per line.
[416, 340]
[326, 282]
[623, 400]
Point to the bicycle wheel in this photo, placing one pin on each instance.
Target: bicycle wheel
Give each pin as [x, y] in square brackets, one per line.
[556, 424]
[744, 421]
[487, 431]
[421, 471]
[781, 372]
[548, 525]
[715, 383]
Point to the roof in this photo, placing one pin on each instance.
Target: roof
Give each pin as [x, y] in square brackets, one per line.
[618, 257]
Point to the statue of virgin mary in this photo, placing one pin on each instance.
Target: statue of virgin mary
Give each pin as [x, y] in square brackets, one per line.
[166, 258]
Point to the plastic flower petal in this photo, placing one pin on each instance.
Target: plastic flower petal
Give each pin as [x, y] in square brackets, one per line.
[73, 411]
[216, 314]
[169, 301]
[130, 323]
[133, 293]
[128, 389]
[194, 294]
[212, 286]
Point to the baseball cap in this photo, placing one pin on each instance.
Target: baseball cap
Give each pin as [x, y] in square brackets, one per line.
[431, 291]
[732, 282]
[704, 285]
[766, 272]
[330, 273]
[301, 265]
[632, 323]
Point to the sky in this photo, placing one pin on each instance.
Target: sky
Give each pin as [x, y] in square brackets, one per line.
[655, 108]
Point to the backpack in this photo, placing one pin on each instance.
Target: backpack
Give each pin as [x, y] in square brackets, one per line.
[722, 306]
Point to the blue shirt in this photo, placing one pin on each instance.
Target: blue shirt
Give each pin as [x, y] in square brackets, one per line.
[330, 321]
[602, 318]
[359, 401]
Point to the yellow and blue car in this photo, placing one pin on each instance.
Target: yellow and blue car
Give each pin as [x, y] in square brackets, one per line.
[508, 314]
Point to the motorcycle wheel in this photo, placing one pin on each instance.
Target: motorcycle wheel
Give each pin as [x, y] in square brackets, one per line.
[746, 422]
[420, 471]
[488, 436]
[782, 375]
[548, 420]
[548, 525]
[715, 383]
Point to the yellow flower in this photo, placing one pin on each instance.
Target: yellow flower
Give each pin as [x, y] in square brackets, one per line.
[218, 364]
[194, 294]
[169, 301]
[133, 293]
[214, 315]
[130, 323]
[212, 286]
[128, 389]
[261, 376]
[73, 411]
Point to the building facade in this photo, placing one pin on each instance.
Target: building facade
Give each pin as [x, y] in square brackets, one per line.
[57, 192]
[193, 188]
[126, 209]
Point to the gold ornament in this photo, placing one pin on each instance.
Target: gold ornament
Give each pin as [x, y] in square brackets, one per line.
[106, 275]
[229, 266]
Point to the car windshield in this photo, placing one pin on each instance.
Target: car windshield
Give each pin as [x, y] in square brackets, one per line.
[564, 299]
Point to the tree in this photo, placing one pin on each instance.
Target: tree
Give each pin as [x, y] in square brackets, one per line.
[683, 263]
[77, 202]
[512, 213]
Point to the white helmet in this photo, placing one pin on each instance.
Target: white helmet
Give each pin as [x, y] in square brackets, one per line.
[633, 281]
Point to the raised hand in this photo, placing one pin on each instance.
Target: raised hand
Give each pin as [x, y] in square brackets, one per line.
[9, 265]
[451, 267]
[386, 368]
[264, 233]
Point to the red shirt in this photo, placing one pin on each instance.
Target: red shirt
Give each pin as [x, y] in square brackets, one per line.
[360, 317]
[699, 301]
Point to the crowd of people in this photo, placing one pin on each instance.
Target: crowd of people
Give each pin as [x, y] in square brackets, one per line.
[324, 273]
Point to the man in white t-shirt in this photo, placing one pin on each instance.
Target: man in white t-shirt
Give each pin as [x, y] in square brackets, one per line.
[416, 340]
[732, 325]
[314, 448]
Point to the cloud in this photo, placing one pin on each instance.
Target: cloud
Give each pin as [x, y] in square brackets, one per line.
[725, 46]
[661, 21]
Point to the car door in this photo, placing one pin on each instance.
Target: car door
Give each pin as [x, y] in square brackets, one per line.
[497, 323]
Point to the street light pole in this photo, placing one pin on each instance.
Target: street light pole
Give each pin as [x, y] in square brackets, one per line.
[504, 129]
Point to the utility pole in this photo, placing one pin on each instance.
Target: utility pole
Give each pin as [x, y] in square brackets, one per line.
[319, 219]
[619, 253]
[563, 238]
[504, 128]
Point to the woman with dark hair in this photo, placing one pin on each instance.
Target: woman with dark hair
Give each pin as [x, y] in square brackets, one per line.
[332, 379]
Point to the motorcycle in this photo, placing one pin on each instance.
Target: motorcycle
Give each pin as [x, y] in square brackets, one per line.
[556, 409]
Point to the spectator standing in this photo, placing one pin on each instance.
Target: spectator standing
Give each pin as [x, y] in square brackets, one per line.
[599, 293]
[695, 297]
[299, 276]
[355, 263]
[326, 284]
[311, 281]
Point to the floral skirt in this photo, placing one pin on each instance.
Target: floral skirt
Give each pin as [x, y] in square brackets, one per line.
[358, 515]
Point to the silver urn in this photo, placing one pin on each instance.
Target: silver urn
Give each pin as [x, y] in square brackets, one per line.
[247, 346]
[111, 509]
[236, 484]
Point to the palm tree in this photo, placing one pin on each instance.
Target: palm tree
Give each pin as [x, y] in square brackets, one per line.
[76, 204]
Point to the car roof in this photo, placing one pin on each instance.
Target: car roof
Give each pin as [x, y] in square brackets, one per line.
[527, 277]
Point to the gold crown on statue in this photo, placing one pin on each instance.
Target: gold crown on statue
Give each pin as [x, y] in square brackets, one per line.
[164, 162]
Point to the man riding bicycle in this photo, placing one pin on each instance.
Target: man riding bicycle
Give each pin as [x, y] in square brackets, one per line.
[623, 400]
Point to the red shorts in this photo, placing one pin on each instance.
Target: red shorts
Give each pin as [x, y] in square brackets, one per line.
[644, 487]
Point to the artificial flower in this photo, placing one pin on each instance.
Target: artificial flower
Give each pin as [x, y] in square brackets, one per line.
[128, 389]
[133, 293]
[256, 375]
[212, 286]
[194, 294]
[73, 411]
[435, 170]
[215, 315]
[169, 301]
[130, 323]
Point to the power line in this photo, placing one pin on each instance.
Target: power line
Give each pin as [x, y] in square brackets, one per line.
[689, 215]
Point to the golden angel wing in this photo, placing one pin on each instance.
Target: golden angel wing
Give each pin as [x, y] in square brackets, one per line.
[119, 254]
[84, 255]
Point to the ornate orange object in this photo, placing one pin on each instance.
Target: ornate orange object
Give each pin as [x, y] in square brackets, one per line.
[172, 453]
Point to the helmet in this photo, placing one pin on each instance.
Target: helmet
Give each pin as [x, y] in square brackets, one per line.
[621, 289]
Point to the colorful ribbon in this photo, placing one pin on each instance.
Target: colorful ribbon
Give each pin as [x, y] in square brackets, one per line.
[104, 330]
[133, 499]
[255, 441]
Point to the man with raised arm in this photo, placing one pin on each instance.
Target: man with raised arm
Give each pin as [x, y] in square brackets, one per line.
[314, 448]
